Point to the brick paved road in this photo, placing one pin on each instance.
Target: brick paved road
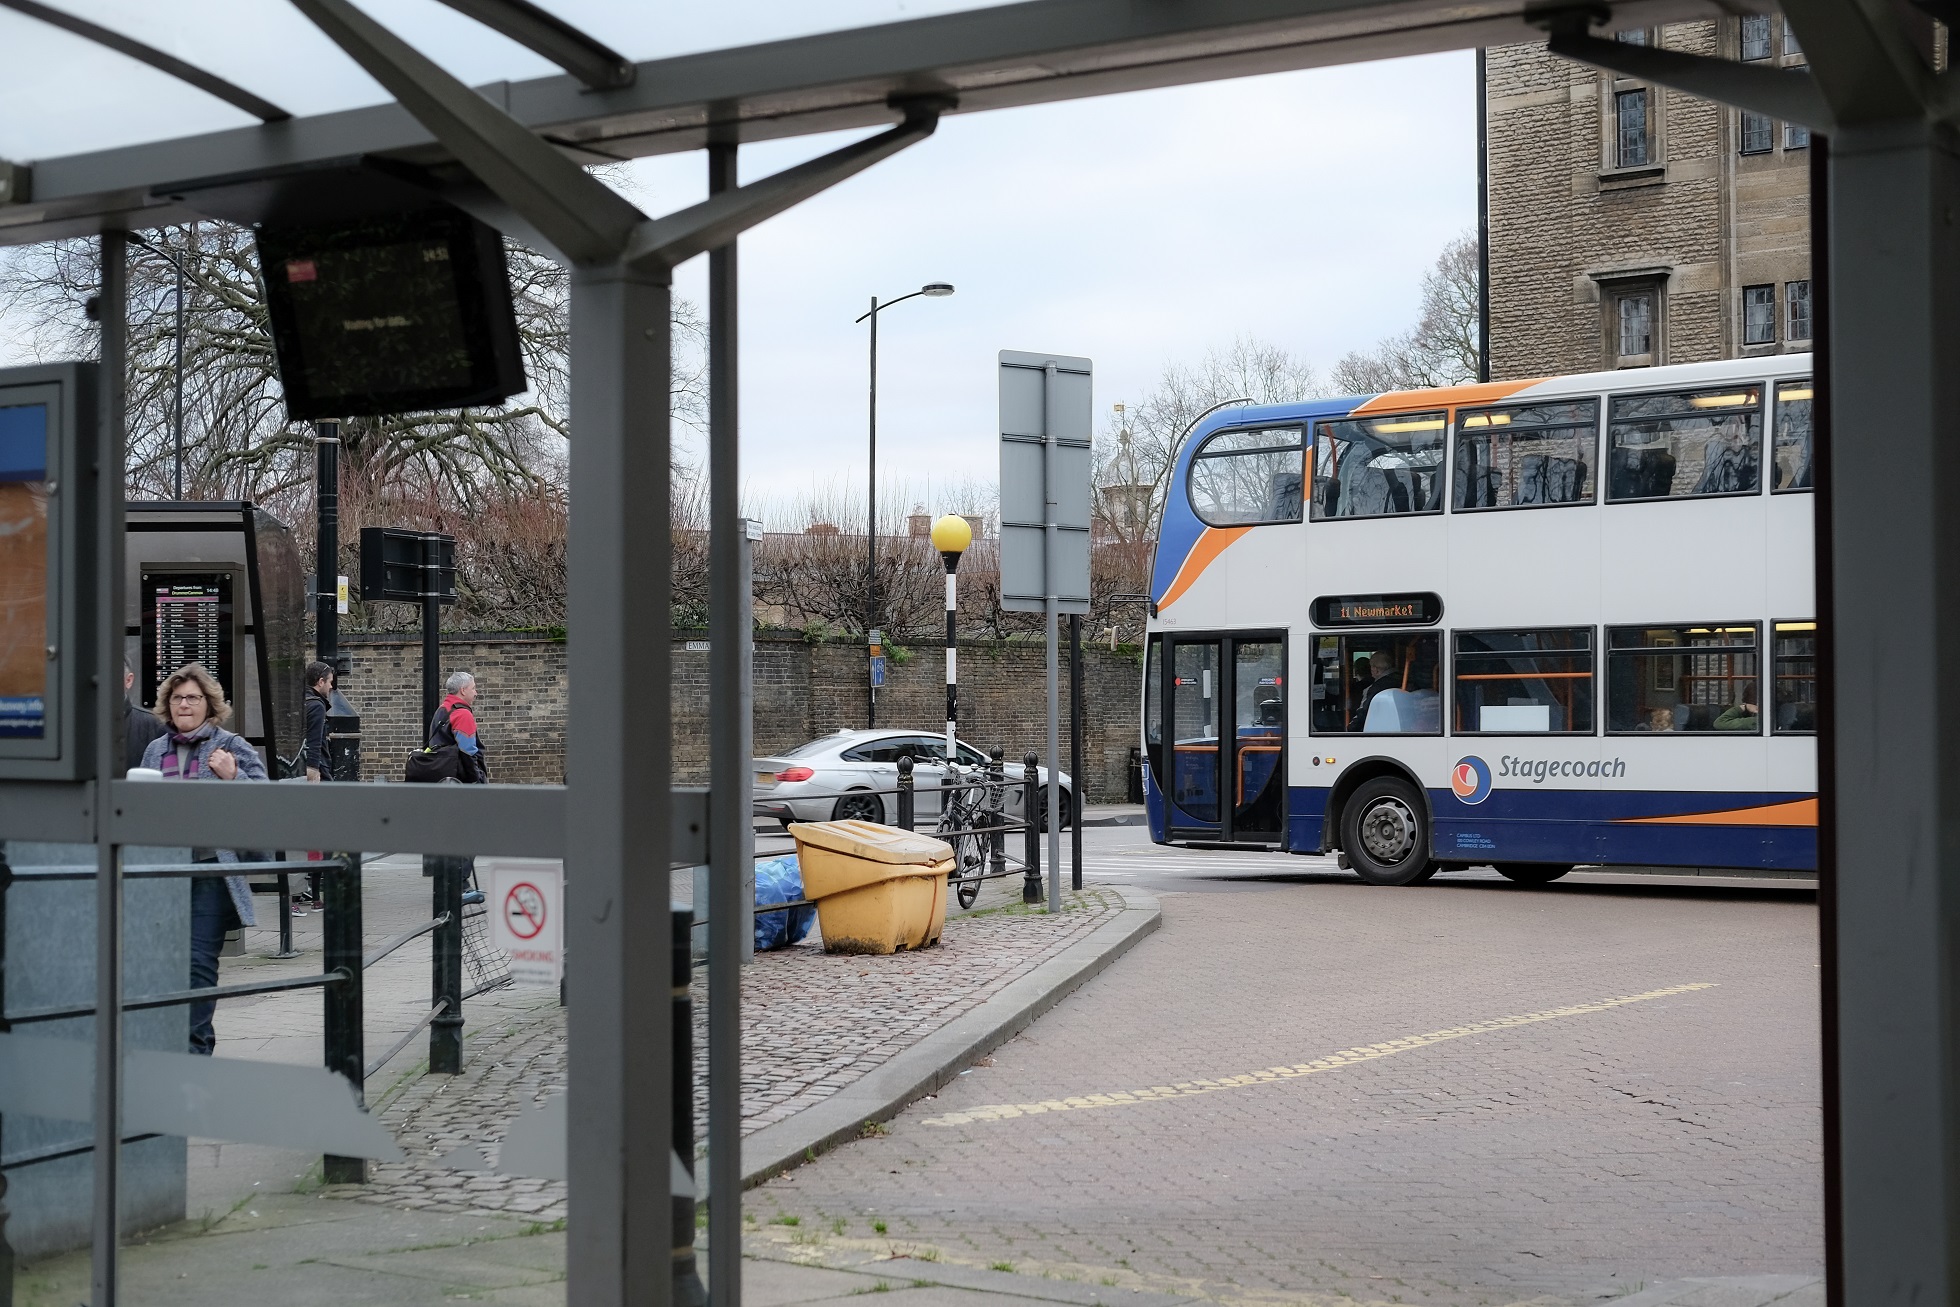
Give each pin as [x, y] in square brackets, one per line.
[1572, 1158]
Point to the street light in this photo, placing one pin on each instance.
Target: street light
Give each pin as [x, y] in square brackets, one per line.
[932, 290]
[177, 417]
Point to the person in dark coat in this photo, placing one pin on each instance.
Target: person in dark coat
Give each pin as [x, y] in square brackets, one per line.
[319, 702]
[139, 727]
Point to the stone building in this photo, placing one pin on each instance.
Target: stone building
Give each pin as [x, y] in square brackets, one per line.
[1633, 225]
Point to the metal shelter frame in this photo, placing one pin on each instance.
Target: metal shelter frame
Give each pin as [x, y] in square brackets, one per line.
[1889, 548]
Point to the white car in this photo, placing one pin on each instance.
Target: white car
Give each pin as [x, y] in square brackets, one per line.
[826, 779]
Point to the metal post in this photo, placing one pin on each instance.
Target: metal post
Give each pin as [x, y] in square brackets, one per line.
[688, 1291]
[996, 807]
[1052, 547]
[1483, 218]
[619, 1146]
[112, 312]
[431, 632]
[731, 827]
[906, 811]
[1894, 270]
[446, 963]
[177, 377]
[326, 551]
[871, 521]
[1077, 722]
[1031, 830]
[952, 654]
[6, 1248]
[341, 947]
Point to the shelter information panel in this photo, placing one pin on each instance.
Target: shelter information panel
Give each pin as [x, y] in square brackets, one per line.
[24, 635]
[188, 617]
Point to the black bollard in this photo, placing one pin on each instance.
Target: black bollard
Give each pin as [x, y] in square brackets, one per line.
[996, 811]
[340, 946]
[1031, 824]
[905, 795]
[688, 1289]
[446, 959]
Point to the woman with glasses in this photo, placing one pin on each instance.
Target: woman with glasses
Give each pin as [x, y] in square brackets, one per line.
[196, 747]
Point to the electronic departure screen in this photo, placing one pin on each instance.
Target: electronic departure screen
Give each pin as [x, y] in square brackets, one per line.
[391, 315]
[24, 635]
[187, 618]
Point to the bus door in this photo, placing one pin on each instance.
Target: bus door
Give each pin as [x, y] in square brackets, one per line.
[1226, 773]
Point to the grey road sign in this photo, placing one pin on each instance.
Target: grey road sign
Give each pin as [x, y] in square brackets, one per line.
[1044, 481]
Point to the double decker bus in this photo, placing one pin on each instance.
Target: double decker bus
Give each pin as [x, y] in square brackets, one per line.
[1523, 624]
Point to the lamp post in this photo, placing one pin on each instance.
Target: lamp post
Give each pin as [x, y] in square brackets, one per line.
[177, 372]
[933, 290]
[950, 536]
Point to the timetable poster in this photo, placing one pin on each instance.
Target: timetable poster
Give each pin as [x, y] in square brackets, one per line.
[187, 618]
[24, 637]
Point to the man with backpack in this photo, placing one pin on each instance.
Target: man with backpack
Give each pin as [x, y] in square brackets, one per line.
[453, 735]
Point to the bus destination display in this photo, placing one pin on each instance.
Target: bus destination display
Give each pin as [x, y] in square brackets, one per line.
[24, 636]
[1378, 610]
[187, 618]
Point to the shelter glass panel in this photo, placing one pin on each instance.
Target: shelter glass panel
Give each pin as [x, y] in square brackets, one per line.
[1684, 679]
[1379, 467]
[1377, 683]
[1521, 457]
[1685, 443]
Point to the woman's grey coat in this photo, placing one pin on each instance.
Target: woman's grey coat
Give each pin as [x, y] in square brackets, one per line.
[250, 768]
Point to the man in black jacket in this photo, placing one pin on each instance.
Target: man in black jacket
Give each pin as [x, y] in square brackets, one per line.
[319, 702]
[139, 727]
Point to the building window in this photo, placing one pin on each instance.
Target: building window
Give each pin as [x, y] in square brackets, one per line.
[1379, 467]
[1632, 36]
[1759, 315]
[1677, 680]
[1636, 326]
[1758, 133]
[1796, 136]
[1630, 122]
[1797, 295]
[1755, 37]
[1790, 46]
[1524, 682]
[1684, 444]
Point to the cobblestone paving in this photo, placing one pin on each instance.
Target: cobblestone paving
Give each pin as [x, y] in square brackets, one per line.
[813, 1023]
[1566, 1160]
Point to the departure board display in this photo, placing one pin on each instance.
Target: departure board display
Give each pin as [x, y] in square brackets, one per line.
[24, 636]
[187, 618]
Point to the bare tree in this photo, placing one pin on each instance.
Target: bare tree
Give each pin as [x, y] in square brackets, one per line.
[1442, 348]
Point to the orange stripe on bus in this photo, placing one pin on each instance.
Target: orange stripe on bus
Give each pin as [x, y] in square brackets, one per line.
[1797, 812]
[1210, 545]
[1477, 392]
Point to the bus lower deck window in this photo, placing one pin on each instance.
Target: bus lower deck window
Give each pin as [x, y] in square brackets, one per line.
[1387, 683]
[1509, 682]
[1684, 679]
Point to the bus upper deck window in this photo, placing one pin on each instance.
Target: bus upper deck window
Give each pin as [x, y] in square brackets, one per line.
[1686, 443]
[1525, 457]
[1790, 469]
[1379, 467]
[1249, 475]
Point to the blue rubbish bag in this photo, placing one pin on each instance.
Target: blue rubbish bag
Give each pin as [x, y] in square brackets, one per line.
[778, 880]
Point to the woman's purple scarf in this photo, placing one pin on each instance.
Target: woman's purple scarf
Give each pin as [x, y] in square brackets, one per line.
[189, 769]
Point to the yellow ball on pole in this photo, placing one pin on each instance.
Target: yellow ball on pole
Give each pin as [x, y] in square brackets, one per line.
[951, 534]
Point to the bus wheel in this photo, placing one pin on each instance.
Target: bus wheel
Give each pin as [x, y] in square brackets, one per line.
[1532, 873]
[1385, 834]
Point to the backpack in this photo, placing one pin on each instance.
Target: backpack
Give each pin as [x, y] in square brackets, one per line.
[433, 764]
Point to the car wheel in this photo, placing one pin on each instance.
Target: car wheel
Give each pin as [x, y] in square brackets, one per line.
[858, 807]
[1532, 873]
[1386, 833]
[1068, 809]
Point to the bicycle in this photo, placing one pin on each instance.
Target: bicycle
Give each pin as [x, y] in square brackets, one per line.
[963, 819]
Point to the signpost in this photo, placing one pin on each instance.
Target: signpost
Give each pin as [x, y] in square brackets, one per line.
[413, 567]
[527, 918]
[1045, 406]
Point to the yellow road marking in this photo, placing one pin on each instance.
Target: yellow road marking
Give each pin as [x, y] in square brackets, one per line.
[1331, 1062]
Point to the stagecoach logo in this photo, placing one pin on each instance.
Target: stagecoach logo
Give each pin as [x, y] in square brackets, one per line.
[1471, 779]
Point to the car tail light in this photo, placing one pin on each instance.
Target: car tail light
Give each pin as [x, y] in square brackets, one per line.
[795, 774]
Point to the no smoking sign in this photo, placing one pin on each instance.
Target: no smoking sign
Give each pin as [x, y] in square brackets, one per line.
[526, 917]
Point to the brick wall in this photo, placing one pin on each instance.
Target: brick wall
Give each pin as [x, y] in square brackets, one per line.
[801, 691]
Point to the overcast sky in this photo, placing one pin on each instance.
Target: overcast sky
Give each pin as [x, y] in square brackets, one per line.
[1139, 230]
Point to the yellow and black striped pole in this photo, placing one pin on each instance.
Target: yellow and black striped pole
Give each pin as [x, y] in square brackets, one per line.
[950, 536]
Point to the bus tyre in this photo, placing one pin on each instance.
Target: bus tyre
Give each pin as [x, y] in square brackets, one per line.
[1532, 873]
[1385, 833]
